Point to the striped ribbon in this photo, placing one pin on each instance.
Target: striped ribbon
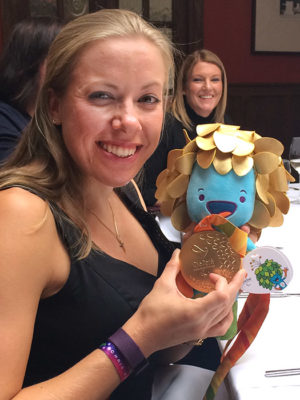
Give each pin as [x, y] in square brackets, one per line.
[253, 313]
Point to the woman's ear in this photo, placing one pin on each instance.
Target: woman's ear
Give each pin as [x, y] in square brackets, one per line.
[54, 107]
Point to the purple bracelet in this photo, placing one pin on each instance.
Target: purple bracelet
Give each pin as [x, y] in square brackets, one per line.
[117, 359]
[129, 350]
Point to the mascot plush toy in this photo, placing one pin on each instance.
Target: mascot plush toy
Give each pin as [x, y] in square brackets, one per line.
[221, 180]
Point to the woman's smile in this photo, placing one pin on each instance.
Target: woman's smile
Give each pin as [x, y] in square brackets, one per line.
[118, 150]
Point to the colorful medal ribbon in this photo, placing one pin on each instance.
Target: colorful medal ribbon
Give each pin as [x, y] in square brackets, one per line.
[253, 313]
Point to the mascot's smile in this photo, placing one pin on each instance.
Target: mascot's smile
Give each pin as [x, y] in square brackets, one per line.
[216, 207]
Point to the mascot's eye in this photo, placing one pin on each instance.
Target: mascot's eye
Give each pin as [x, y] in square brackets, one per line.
[201, 197]
[242, 199]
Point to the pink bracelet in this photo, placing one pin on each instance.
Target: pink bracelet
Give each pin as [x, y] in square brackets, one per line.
[117, 359]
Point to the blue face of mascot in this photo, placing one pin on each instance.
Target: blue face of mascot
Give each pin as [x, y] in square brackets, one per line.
[212, 193]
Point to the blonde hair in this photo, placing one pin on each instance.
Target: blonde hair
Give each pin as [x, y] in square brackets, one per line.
[227, 148]
[178, 106]
[41, 160]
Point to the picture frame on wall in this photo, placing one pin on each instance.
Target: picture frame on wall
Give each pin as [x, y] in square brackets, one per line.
[276, 26]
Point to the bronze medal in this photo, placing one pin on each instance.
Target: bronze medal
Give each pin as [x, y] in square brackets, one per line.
[205, 252]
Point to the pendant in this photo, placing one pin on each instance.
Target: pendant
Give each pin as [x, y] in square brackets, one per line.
[121, 245]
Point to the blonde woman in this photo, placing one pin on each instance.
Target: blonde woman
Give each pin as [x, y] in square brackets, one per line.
[88, 293]
[200, 98]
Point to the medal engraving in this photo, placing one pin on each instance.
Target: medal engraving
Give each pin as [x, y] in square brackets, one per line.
[206, 252]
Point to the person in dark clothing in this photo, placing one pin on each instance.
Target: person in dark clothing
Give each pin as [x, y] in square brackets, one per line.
[22, 66]
[89, 302]
[200, 98]
[12, 123]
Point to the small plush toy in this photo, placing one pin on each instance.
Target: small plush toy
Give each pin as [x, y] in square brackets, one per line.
[221, 180]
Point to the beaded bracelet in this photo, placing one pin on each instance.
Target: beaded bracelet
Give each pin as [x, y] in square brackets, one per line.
[117, 359]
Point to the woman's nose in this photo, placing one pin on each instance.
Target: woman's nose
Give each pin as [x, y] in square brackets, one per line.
[207, 83]
[127, 119]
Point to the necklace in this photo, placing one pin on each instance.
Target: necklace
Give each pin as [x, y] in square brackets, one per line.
[116, 233]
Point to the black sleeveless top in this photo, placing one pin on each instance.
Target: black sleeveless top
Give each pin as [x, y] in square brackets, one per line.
[99, 296]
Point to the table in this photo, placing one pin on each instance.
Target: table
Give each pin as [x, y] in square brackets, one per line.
[277, 343]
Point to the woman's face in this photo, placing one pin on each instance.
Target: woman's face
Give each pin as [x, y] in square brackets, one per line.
[112, 112]
[204, 88]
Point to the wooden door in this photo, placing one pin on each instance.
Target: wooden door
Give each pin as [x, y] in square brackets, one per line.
[12, 11]
[181, 20]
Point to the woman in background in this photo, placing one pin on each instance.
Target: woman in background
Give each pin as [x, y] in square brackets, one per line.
[22, 69]
[200, 98]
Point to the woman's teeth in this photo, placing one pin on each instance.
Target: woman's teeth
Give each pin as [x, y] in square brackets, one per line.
[118, 151]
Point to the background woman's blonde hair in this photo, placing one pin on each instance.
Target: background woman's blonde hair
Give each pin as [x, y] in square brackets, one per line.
[178, 106]
[41, 160]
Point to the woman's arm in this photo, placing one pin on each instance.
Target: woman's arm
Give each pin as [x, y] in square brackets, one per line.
[33, 264]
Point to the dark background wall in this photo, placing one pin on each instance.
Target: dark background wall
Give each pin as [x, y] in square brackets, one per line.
[227, 31]
[264, 89]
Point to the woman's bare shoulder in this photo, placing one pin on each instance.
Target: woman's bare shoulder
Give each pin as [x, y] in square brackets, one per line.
[17, 200]
[29, 240]
[26, 224]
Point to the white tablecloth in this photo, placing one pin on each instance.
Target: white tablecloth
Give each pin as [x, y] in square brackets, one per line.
[184, 382]
[277, 343]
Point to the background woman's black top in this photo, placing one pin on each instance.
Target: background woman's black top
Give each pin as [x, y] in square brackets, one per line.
[12, 123]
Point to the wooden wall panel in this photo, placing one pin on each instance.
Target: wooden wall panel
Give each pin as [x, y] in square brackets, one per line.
[11, 13]
[269, 109]
[188, 25]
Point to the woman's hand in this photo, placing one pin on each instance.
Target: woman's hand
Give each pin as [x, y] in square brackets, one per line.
[253, 234]
[166, 318]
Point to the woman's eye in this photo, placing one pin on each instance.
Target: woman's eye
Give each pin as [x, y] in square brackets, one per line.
[242, 199]
[149, 99]
[99, 95]
[201, 197]
[216, 80]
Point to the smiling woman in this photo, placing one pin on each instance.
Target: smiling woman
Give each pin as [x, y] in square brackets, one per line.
[86, 280]
[200, 98]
